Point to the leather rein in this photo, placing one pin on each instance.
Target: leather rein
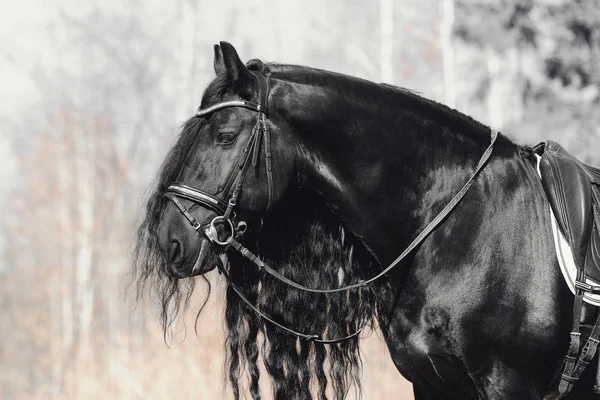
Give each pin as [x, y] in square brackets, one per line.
[226, 216]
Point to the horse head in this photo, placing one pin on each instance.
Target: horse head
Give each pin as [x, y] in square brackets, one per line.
[227, 179]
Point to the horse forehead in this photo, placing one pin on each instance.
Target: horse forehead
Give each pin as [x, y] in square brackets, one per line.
[202, 160]
[227, 116]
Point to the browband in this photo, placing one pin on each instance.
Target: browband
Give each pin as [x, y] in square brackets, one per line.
[226, 104]
[213, 203]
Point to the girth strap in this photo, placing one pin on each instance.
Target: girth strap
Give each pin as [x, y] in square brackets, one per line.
[575, 365]
[567, 379]
[588, 351]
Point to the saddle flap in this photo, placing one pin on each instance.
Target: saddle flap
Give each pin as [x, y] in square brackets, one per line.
[568, 188]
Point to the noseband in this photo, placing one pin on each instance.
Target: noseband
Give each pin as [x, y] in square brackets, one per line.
[226, 216]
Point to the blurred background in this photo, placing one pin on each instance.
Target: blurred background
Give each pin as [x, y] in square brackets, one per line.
[93, 95]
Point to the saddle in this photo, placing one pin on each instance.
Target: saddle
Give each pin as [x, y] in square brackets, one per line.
[572, 188]
[573, 191]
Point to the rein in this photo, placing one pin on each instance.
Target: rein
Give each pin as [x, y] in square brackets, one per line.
[226, 216]
[305, 336]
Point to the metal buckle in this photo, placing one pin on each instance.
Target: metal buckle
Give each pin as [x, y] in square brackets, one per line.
[583, 286]
[213, 234]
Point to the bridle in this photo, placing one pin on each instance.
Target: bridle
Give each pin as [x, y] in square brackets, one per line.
[224, 206]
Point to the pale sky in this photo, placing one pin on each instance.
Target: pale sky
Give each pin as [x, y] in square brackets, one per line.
[24, 26]
[22, 40]
[23, 44]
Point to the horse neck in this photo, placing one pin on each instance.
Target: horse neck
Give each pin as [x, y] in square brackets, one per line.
[384, 160]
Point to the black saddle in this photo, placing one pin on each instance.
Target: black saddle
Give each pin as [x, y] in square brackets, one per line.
[572, 187]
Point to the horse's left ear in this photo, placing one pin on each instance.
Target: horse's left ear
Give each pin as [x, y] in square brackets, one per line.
[238, 74]
[219, 65]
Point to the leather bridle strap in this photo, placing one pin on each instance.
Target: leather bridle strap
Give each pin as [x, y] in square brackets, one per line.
[184, 211]
[263, 85]
[424, 233]
[314, 338]
[201, 112]
[206, 200]
[251, 152]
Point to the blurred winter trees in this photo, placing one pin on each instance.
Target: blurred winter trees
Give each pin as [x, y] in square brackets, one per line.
[530, 69]
[114, 82]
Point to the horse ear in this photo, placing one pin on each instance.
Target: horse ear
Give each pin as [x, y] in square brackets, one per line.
[236, 70]
[219, 64]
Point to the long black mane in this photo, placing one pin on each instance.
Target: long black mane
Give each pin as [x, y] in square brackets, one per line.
[149, 272]
[149, 265]
[380, 92]
[306, 241]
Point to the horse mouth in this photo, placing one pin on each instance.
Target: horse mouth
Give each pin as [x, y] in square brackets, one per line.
[205, 261]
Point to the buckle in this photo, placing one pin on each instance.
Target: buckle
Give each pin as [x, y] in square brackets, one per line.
[583, 286]
[587, 287]
[213, 234]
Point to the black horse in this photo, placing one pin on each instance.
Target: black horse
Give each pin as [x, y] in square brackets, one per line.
[327, 179]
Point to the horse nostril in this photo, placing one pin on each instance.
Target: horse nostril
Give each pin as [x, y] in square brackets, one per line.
[176, 250]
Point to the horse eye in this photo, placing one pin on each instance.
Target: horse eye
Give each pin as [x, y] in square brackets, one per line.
[226, 138]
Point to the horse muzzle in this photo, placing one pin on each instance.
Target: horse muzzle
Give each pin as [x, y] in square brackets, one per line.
[188, 251]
